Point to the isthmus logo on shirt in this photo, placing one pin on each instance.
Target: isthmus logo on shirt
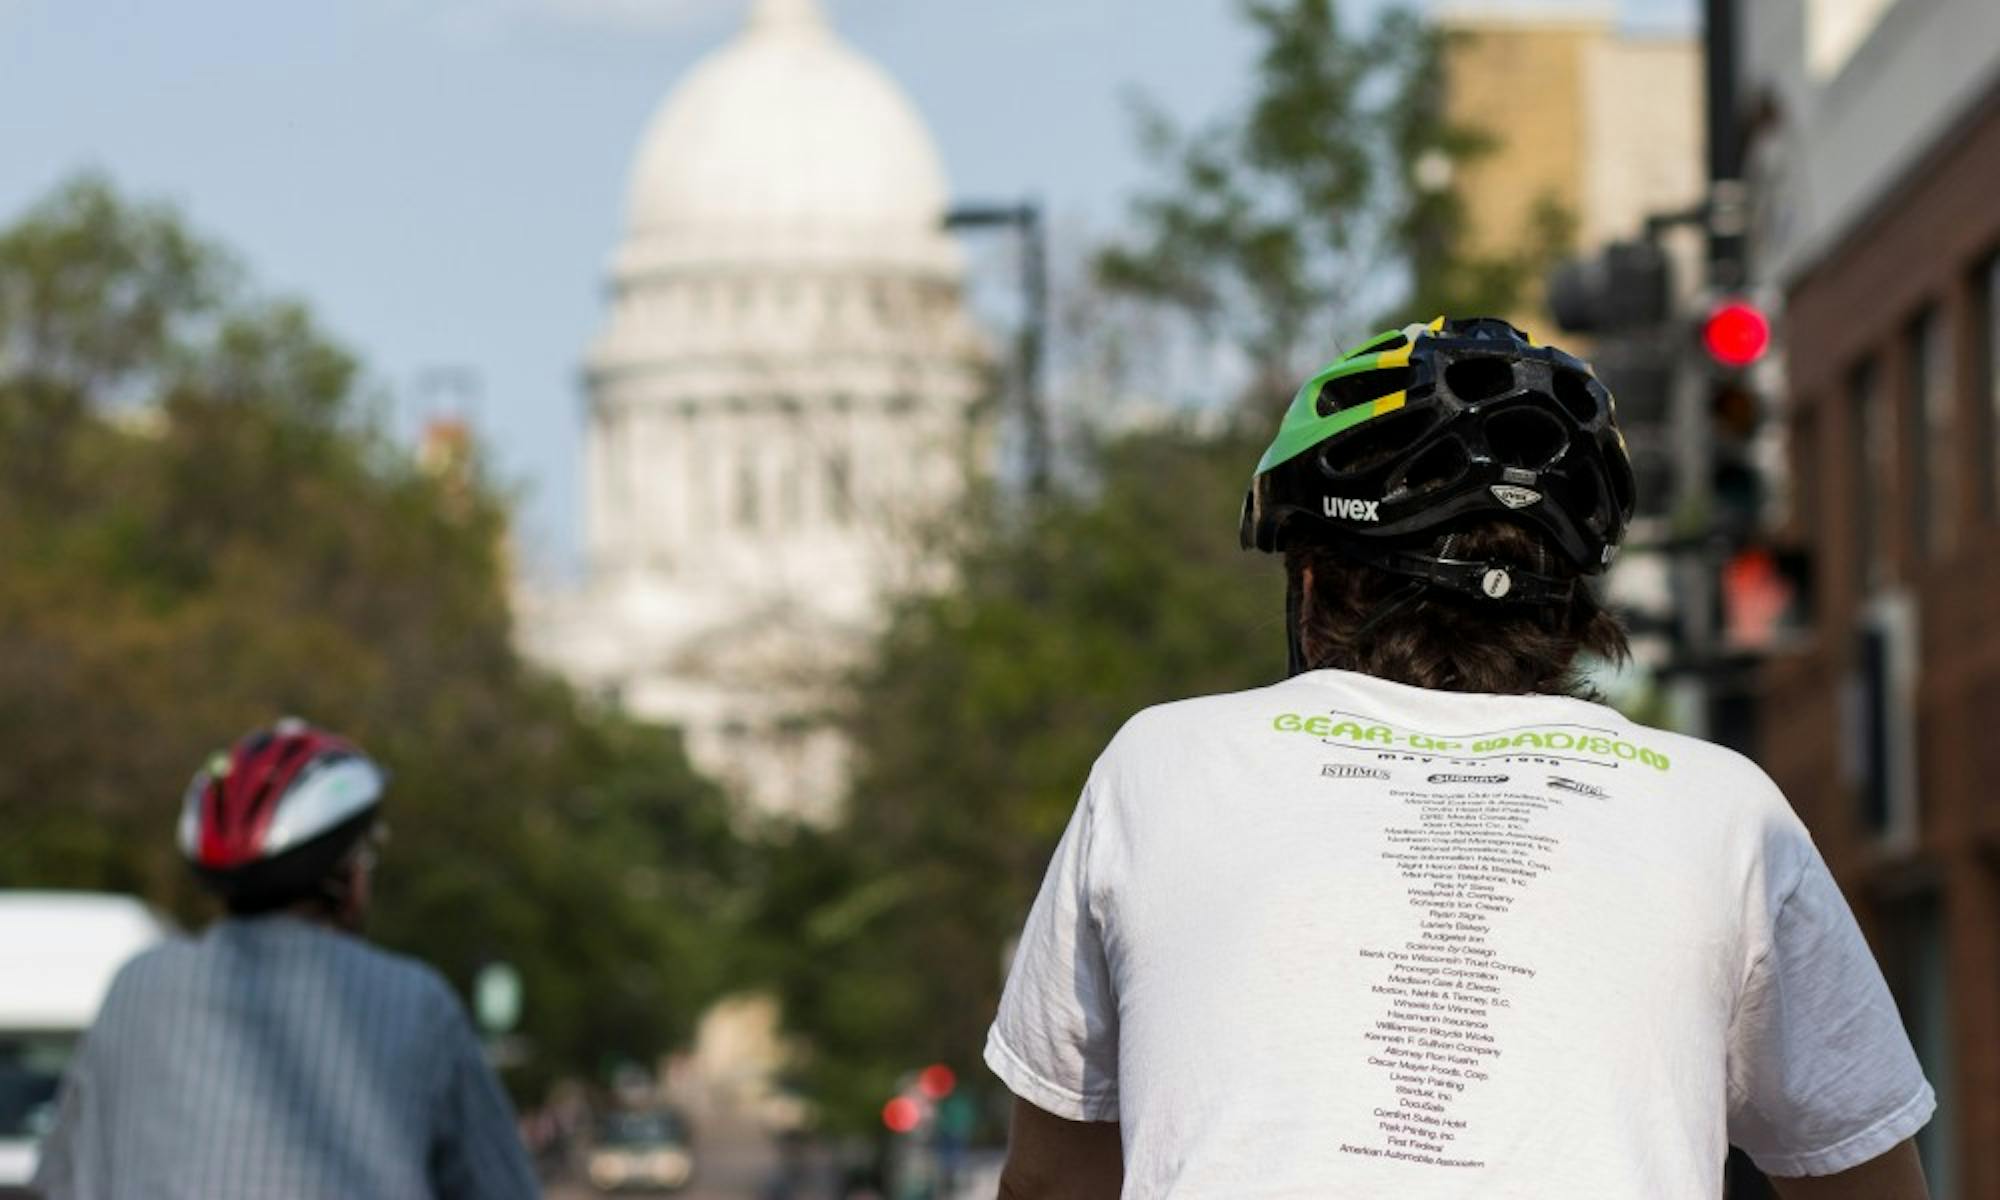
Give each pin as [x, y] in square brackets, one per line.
[1350, 771]
[1468, 779]
[1582, 789]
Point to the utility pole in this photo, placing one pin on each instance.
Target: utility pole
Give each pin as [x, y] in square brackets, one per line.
[1025, 218]
[1726, 200]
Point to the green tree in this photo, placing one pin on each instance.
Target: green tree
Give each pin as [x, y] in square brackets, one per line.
[1290, 228]
[203, 531]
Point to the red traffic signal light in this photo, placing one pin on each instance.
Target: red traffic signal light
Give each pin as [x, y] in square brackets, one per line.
[1759, 600]
[936, 1081]
[1736, 333]
[902, 1114]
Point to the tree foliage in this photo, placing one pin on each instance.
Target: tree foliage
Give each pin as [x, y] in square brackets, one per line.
[1289, 228]
[202, 532]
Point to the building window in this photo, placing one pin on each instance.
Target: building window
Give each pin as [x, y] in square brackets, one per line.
[748, 507]
[839, 487]
[791, 495]
[1930, 456]
[700, 496]
[1986, 380]
[1866, 458]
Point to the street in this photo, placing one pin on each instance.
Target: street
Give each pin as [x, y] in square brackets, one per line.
[734, 1160]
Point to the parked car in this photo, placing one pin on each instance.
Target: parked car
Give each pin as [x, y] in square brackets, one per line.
[61, 950]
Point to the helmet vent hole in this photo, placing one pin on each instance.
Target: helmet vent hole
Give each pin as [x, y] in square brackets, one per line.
[1526, 437]
[1479, 378]
[1374, 443]
[1487, 329]
[1440, 466]
[1364, 387]
[1393, 341]
[1573, 393]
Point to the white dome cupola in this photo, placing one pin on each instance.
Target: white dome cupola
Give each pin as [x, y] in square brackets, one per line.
[786, 145]
[784, 390]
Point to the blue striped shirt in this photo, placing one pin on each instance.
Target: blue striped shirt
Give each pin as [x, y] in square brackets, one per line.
[278, 1058]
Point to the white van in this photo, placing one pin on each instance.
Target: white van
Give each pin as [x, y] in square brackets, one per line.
[58, 953]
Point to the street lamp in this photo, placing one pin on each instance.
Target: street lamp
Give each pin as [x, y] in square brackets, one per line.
[1026, 219]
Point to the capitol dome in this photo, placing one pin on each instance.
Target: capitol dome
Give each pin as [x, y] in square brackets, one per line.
[787, 385]
[786, 144]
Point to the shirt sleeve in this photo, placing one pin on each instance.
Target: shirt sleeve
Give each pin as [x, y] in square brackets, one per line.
[1055, 1041]
[1822, 1076]
[477, 1152]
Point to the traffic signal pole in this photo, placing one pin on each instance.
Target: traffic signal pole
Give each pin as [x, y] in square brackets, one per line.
[1725, 146]
[1727, 681]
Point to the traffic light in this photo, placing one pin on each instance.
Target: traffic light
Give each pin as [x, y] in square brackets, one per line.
[1736, 333]
[1734, 336]
[1624, 287]
[937, 1081]
[902, 1114]
[1622, 298]
[1736, 485]
[1766, 596]
[918, 1095]
[1762, 588]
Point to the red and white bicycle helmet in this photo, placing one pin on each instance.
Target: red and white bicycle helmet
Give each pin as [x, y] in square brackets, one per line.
[265, 823]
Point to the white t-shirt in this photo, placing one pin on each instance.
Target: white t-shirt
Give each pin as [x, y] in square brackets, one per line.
[1343, 937]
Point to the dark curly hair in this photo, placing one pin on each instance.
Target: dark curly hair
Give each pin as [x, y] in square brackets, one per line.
[1442, 639]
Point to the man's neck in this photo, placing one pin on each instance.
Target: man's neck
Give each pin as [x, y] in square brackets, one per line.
[310, 912]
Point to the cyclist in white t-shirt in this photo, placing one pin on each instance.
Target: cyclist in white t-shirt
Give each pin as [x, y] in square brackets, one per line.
[1419, 921]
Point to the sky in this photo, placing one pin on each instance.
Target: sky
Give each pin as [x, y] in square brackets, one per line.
[443, 181]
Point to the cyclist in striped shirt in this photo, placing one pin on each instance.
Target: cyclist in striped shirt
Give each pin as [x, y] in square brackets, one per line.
[279, 1054]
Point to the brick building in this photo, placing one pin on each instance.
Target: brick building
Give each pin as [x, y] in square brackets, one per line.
[1873, 157]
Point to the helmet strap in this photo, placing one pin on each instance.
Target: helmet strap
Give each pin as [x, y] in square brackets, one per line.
[1499, 583]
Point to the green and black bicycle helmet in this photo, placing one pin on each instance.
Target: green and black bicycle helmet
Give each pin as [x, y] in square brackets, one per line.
[1387, 449]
